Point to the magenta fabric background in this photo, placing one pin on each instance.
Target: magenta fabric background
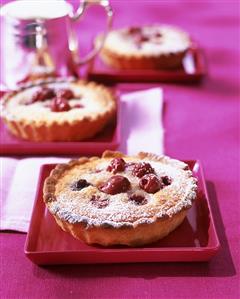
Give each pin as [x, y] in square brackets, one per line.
[201, 122]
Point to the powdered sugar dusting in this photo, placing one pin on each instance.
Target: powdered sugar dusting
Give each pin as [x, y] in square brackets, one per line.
[171, 40]
[76, 206]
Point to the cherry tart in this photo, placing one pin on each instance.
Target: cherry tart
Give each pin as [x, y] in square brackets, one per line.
[147, 47]
[119, 199]
[58, 110]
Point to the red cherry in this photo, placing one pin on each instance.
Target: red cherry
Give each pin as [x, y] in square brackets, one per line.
[99, 202]
[65, 93]
[116, 165]
[79, 185]
[134, 30]
[42, 94]
[143, 38]
[150, 183]
[78, 106]
[138, 199]
[116, 184]
[140, 169]
[166, 180]
[60, 105]
[158, 35]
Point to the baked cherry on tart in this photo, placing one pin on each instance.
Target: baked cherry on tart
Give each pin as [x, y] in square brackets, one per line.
[58, 110]
[145, 47]
[120, 199]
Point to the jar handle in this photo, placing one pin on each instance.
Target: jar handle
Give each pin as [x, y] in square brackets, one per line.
[73, 44]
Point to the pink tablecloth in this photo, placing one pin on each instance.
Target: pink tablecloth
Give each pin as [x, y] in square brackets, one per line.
[201, 122]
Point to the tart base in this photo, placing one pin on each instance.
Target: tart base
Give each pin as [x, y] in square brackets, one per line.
[58, 132]
[130, 236]
[168, 61]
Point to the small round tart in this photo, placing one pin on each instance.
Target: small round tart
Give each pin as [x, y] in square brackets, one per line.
[147, 47]
[58, 110]
[119, 199]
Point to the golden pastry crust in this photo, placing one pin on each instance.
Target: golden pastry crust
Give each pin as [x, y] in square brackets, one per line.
[96, 216]
[36, 122]
[163, 61]
[122, 52]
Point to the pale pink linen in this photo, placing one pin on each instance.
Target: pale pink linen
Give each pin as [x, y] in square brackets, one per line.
[141, 130]
[142, 123]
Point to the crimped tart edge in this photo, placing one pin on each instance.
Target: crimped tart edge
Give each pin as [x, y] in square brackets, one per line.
[46, 130]
[107, 235]
[129, 62]
[66, 131]
[50, 182]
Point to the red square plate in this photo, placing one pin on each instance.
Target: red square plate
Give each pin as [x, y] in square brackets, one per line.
[109, 138]
[194, 240]
[193, 70]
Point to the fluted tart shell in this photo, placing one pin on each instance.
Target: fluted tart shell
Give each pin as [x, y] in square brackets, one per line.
[96, 217]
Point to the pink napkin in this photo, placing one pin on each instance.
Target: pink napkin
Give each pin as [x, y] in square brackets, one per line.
[142, 121]
[142, 130]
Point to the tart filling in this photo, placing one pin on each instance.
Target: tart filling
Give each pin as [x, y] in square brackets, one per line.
[117, 191]
[147, 40]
